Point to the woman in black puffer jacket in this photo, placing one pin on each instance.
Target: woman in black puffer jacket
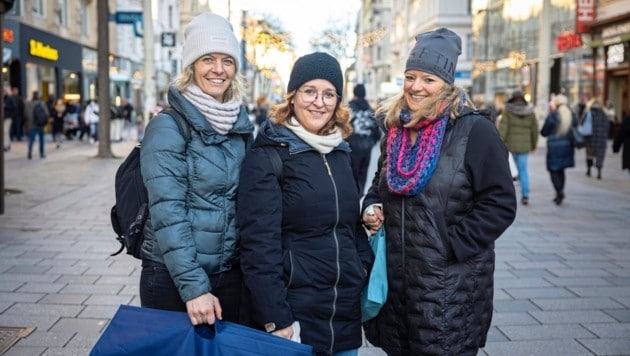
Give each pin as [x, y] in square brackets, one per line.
[444, 192]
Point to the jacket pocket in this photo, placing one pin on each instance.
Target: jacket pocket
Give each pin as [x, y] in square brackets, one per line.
[288, 267]
[442, 230]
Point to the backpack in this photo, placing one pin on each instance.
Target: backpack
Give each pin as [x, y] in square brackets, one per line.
[130, 213]
[40, 115]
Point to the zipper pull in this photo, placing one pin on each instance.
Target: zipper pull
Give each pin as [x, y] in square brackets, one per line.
[327, 166]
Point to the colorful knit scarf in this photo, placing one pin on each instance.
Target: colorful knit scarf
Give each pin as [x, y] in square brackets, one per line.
[410, 166]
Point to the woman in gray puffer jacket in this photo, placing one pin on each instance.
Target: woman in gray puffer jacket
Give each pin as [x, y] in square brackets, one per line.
[190, 260]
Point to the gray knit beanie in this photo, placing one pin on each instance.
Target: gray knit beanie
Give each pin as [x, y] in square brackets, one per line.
[209, 33]
[436, 52]
[316, 65]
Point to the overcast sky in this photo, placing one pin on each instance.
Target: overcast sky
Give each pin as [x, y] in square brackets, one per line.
[304, 19]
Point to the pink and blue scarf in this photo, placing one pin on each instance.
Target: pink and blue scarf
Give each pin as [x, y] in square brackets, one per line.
[410, 166]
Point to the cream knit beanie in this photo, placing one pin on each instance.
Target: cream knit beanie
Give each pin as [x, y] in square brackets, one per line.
[209, 33]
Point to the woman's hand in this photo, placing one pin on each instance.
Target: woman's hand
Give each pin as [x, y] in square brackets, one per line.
[286, 333]
[373, 218]
[204, 309]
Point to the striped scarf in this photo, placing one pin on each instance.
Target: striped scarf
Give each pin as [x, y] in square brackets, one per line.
[410, 166]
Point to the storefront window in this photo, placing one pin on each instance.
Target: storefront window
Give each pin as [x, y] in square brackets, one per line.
[70, 85]
[40, 78]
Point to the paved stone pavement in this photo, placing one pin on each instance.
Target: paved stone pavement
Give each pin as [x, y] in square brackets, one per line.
[562, 274]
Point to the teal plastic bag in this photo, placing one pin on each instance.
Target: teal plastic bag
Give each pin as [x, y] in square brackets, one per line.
[375, 292]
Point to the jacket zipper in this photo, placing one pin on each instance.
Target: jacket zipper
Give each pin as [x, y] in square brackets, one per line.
[334, 306]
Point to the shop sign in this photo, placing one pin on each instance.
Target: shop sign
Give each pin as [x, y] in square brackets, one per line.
[7, 35]
[567, 41]
[41, 50]
[584, 16]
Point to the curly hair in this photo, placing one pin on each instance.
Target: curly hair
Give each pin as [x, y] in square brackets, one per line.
[236, 91]
[451, 98]
[283, 111]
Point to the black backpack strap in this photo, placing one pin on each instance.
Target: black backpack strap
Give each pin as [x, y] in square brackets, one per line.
[276, 162]
[184, 128]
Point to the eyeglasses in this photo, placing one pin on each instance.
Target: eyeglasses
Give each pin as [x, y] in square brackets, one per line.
[309, 95]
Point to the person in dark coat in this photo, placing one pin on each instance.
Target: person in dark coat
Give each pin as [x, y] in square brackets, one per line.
[596, 142]
[623, 139]
[365, 134]
[444, 192]
[17, 126]
[304, 254]
[560, 145]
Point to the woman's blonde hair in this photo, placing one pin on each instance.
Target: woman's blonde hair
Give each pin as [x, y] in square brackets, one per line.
[283, 111]
[451, 98]
[236, 91]
[565, 115]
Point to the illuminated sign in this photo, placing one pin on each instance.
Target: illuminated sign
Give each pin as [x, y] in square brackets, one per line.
[568, 40]
[7, 35]
[584, 15]
[41, 50]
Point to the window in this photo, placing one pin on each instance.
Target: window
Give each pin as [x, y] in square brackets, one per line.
[62, 12]
[38, 7]
[83, 17]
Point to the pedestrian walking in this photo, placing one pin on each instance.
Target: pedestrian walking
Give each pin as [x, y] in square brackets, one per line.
[190, 256]
[35, 127]
[9, 112]
[17, 125]
[91, 118]
[304, 253]
[365, 134]
[623, 139]
[595, 127]
[560, 143]
[446, 193]
[58, 114]
[519, 130]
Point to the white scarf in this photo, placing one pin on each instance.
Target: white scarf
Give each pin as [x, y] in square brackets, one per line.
[221, 116]
[323, 144]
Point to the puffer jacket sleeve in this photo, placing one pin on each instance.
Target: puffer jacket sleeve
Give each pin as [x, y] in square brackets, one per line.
[260, 226]
[494, 199]
[165, 175]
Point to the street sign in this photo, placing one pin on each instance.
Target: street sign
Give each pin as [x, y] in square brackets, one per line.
[133, 18]
[128, 17]
[168, 39]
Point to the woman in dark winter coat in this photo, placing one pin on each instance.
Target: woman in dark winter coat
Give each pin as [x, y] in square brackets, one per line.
[304, 254]
[365, 134]
[560, 144]
[623, 138]
[444, 192]
[596, 142]
[190, 252]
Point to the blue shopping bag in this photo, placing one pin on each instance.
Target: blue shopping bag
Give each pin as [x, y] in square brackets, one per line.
[375, 292]
[145, 331]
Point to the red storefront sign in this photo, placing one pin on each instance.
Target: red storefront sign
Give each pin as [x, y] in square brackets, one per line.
[568, 40]
[585, 15]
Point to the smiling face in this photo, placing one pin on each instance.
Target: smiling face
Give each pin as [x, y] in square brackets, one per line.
[214, 73]
[314, 114]
[421, 88]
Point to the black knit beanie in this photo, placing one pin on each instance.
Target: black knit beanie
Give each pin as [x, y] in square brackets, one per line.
[436, 52]
[316, 65]
[359, 91]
